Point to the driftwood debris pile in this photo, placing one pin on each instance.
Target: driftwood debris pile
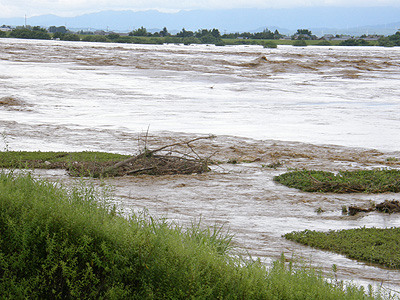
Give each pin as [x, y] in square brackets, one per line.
[387, 206]
[166, 160]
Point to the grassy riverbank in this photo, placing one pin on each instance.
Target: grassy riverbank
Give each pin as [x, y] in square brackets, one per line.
[59, 243]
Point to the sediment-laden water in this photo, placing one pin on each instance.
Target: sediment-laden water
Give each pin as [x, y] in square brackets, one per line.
[327, 108]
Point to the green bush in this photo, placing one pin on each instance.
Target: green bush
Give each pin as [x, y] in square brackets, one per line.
[354, 42]
[95, 38]
[70, 37]
[300, 43]
[269, 44]
[59, 243]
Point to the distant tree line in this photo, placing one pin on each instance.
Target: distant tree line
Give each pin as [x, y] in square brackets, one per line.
[35, 32]
[391, 40]
[201, 36]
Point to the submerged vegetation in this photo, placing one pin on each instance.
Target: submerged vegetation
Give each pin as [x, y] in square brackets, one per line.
[72, 243]
[362, 181]
[53, 160]
[372, 245]
[102, 164]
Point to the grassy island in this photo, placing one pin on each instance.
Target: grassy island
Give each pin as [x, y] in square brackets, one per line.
[372, 245]
[361, 181]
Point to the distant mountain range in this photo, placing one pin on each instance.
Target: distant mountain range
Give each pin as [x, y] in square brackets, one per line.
[320, 20]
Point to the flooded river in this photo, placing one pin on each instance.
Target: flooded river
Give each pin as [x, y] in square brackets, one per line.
[327, 108]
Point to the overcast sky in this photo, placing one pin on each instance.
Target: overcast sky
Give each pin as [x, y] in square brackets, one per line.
[69, 8]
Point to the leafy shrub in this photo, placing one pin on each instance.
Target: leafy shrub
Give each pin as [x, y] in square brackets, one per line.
[269, 44]
[95, 38]
[354, 42]
[300, 43]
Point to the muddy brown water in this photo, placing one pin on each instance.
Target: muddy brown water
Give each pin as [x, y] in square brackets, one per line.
[244, 198]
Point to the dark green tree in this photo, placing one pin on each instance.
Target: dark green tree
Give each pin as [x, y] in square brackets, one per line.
[70, 37]
[304, 32]
[184, 33]
[25, 33]
[164, 32]
[139, 32]
[54, 29]
[113, 36]
[215, 33]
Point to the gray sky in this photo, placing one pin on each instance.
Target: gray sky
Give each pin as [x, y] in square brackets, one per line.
[68, 8]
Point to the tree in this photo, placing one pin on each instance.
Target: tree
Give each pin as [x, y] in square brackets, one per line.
[54, 29]
[215, 33]
[70, 37]
[113, 36]
[304, 32]
[25, 33]
[277, 35]
[139, 32]
[183, 33]
[208, 39]
[164, 32]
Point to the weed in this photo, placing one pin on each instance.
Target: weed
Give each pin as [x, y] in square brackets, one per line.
[6, 146]
[392, 159]
[273, 165]
[233, 161]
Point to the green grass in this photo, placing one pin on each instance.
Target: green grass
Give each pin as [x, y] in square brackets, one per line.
[372, 245]
[46, 160]
[362, 181]
[71, 243]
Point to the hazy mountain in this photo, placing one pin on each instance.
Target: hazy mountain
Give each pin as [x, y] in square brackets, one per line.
[323, 19]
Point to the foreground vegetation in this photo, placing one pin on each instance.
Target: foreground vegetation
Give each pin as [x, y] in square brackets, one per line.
[59, 243]
[362, 181]
[372, 245]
